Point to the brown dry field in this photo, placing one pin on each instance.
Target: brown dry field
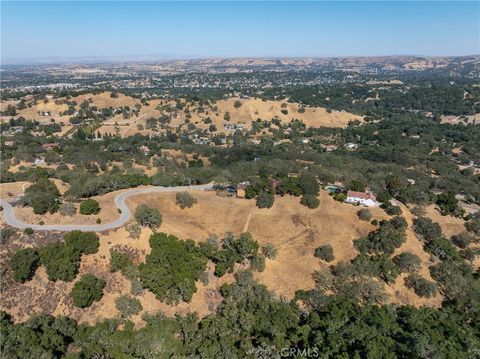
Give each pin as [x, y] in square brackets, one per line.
[294, 229]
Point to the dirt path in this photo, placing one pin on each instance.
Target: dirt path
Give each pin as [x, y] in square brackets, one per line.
[245, 228]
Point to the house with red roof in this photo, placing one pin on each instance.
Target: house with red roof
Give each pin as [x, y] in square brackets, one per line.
[367, 199]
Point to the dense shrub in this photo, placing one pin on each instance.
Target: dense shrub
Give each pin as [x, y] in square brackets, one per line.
[310, 200]
[407, 262]
[393, 210]
[447, 203]
[426, 228]
[172, 268]
[234, 250]
[42, 196]
[119, 261]
[390, 235]
[24, 263]
[89, 206]
[185, 200]
[61, 261]
[265, 200]
[325, 253]
[83, 242]
[148, 217]
[87, 290]
[421, 286]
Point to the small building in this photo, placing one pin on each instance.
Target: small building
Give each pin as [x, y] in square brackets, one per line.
[9, 143]
[241, 189]
[367, 199]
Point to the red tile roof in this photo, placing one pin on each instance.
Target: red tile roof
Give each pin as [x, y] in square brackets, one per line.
[361, 195]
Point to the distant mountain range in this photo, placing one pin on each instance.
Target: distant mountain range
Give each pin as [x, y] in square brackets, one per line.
[384, 62]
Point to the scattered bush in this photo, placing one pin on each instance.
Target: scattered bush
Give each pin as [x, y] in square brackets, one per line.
[325, 252]
[237, 104]
[67, 209]
[364, 214]
[89, 206]
[463, 240]
[270, 251]
[128, 305]
[87, 290]
[134, 230]
[473, 226]
[24, 263]
[393, 210]
[28, 231]
[185, 200]
[148, 217]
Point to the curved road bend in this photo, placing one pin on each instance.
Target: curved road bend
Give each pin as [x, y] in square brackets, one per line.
[12, 220]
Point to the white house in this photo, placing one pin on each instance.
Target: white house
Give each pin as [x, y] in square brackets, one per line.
[367, 199]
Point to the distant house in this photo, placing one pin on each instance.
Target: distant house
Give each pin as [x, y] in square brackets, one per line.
[49, 146]
[351, 146]
[144, 149]
[241, 189]
[367, 199]
[274, 183]
[329, 148]
[9, 143]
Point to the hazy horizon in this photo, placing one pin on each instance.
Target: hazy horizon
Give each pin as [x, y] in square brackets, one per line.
[177, 30]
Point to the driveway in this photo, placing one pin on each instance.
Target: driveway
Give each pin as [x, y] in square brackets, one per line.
[12, 220]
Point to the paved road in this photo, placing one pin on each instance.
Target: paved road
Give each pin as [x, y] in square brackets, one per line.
[9, 212]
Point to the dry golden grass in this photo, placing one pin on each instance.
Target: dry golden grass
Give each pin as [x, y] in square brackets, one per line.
[294, 229]
[450, 225]
[105, 100]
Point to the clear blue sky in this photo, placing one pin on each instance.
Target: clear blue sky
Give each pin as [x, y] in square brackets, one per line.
[230, 29]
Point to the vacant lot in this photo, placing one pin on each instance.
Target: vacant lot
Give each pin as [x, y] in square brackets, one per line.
[294, 229]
